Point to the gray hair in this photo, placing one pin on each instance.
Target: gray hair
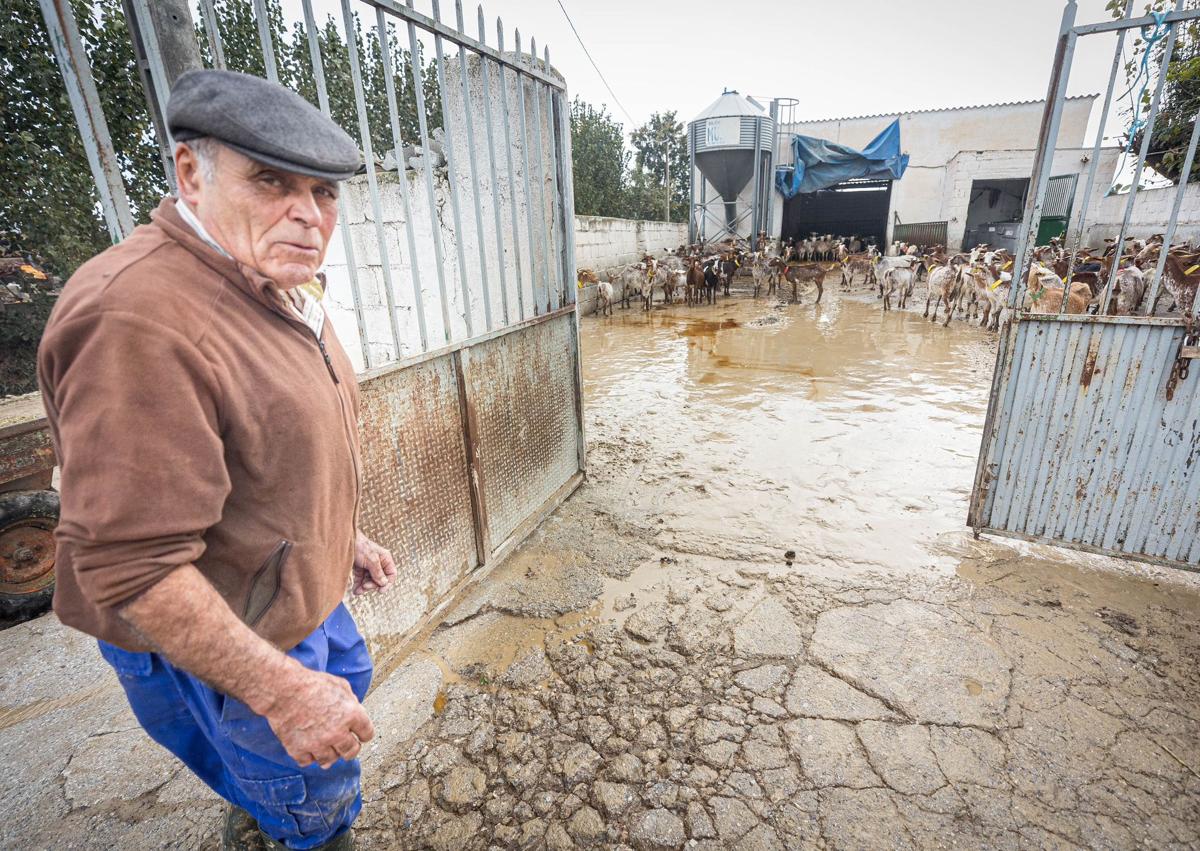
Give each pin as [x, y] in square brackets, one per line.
[205, 148]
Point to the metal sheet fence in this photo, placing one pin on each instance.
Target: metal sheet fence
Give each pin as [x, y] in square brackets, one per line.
[1093, 424]
[1090, 452]
[463, 454]
[927, 234]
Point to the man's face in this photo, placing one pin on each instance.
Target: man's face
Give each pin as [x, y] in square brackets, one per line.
[274, 221]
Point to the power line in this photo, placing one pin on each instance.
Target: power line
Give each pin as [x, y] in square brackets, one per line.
[593, 61]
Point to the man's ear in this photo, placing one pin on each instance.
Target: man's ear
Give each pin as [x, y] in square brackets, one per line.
[187, 174]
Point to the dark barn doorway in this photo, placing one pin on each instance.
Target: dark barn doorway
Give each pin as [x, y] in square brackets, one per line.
[855, 207]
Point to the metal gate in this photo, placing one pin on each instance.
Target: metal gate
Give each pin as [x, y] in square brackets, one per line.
[456, 279]
[1093, 426]
[1056, 210]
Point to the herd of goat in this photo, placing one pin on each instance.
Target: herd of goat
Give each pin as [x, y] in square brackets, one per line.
[974, 284]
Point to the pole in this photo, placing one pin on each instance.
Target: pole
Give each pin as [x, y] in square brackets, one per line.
[165, 46]
[668, 181]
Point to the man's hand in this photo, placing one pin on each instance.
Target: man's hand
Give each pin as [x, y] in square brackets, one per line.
[374, 567]
[317, 718]
[315, 715]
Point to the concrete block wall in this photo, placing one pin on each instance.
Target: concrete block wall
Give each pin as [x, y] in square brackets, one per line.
[1151, 209]
[602, 243]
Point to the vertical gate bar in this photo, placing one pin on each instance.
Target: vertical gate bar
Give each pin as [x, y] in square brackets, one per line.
[691, 188]
[1180, 190]
[1043, 164]
[414, 61]
[570, 273]
[318, 67]
[364, 134]
[491, 143]
[560, 291]
[536, 98]
[1095, 164]
[512, 173]
[566, 167]
[525, 170]
[263, 20]
[475, 467]
[76, 72]
[452, 172]
[144, 25]
[757, 181]
[1047, 135]
[213, 31]
[154, 59]
[389, 83]
[543, 207]
[469, 123]
[1143, 149]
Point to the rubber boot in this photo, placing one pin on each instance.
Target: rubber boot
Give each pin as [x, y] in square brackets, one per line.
[241, 831]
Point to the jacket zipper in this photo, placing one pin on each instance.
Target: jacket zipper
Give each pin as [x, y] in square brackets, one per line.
[308, 332]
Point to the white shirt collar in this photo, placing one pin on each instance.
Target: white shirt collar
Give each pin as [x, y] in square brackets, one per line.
[185, 213]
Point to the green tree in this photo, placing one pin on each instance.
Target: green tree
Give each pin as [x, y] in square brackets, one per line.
[660, 139]
[1180, 98]
[599, 161]
[49, 208]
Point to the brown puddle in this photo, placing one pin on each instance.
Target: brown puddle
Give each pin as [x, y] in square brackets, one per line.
[839, 431]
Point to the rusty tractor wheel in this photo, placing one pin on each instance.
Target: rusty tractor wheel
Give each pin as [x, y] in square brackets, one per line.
[27, 521]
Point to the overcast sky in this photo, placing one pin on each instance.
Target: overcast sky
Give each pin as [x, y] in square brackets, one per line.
[838, 59]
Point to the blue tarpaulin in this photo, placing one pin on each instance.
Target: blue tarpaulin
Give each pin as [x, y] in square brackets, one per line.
[821, 163]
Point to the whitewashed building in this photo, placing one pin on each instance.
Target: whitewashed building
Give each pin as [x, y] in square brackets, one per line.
[967, 175]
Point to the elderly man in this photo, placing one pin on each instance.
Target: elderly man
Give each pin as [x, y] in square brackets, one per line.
[204, 416]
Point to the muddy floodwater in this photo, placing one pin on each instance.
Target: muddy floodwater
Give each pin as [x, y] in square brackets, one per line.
[760, 623]
[836, 431]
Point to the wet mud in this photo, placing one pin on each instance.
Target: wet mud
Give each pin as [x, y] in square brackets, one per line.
[760, 623]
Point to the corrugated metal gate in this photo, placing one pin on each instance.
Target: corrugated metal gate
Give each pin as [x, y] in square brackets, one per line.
[927, 234]
[1093, 426]
[471, 425]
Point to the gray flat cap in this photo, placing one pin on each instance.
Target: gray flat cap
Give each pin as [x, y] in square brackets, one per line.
[263, 120]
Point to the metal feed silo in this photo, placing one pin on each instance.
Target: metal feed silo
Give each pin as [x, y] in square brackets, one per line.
[730, 143]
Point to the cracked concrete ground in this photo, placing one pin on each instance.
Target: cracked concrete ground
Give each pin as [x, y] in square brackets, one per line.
[758, 625]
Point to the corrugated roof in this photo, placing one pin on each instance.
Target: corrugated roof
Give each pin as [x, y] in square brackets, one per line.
[936, 109]
[729, 103]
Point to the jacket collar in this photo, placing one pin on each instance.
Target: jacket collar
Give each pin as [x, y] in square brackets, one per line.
[258, 286]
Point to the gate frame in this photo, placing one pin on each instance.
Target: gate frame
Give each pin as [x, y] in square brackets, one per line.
[1068, 35]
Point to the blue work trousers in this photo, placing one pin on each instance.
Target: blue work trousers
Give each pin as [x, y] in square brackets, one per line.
[235, 751]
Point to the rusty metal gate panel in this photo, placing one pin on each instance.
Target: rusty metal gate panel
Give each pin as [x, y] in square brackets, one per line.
[1093, 426]
[416, 494]
[1090, 452]
[521, 389]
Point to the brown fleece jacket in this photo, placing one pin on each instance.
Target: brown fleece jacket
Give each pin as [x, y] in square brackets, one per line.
[197, 421]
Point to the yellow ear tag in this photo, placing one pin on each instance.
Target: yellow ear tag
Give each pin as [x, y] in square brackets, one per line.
[999, 281]
[1004, 268]
[1193, 269]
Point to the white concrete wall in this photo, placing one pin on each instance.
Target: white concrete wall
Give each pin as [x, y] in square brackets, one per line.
[602, 243]
[1151, 209]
